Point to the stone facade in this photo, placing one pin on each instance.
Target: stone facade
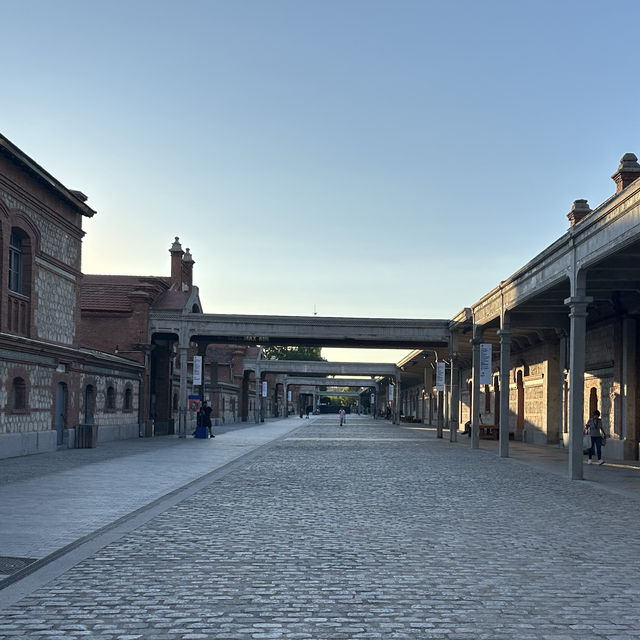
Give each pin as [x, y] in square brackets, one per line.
[54, 315]
[42, 367]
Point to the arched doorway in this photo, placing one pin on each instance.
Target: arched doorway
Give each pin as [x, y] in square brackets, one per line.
[60, 411]
[244, 398]
[89, 404]
[593, 400]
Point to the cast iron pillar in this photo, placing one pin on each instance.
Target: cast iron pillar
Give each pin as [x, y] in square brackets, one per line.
[454, 395]
[475, 389]
[505, 371]
[577, 344]
[183, 402]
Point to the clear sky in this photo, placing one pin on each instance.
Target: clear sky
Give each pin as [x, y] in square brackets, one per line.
[389, 158]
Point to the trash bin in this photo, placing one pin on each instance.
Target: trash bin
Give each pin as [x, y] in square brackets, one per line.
[87, 436]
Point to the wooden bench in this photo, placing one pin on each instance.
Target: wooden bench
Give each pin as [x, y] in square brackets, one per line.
[489, 431]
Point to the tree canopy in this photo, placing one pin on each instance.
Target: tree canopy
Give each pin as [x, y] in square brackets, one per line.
[293, 353]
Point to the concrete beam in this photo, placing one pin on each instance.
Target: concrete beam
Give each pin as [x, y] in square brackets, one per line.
[320, 368]
[302, 330]
[338, 394]
[329, 382]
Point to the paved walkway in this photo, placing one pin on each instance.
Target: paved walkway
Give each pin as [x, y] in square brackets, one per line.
[311, 532]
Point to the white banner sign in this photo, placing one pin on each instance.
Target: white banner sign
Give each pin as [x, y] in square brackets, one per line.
[440, 373]
[197, 369]
[288, 396]
[373, 399]
[264, 388]
[485, 364]
[391, 390]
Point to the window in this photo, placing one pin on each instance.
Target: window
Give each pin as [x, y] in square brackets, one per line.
[175, 401]
[15, 262]
[111, 399]
[19, 282]
[128, 403]
[19, 389]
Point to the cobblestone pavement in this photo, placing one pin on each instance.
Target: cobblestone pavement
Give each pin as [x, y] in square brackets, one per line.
[365, 531]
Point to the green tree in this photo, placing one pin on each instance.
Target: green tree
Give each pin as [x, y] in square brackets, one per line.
[293, 353]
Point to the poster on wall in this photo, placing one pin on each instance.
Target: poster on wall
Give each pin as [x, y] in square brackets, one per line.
[194, 403]
[288, 396]
[485, 364]
[197, 369]
[391, 391]
[264, 388]
[440, 373]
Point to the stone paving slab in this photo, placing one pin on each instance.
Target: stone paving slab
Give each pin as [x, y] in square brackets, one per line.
[48, 501]
[369, 531]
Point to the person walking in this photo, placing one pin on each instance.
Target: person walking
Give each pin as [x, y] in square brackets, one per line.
[598, 435]
[205, 417]
[341, 414]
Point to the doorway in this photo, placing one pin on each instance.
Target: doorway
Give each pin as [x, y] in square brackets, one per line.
[60, 411]
[89, 404]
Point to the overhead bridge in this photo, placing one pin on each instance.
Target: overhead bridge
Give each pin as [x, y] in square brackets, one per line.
[390, 333]
[326, 382]
[322, 368]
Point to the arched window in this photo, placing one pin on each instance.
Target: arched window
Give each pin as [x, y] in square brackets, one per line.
[19, 393]
[111, 399]
[16, 263]
[128, 399]
[20, 257]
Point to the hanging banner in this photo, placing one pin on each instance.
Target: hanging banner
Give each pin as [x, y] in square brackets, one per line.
[197, 369]
[391, 390]
[440, 373]
[485, 364]
[264, 388]
[373, 399]
[288, 396]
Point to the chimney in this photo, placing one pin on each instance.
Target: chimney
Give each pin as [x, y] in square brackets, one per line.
[579, 210]
[176, 264]
[628, 171]
[187, 271]
[79, 195]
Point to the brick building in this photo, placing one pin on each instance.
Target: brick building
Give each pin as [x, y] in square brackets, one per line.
[565, 337]
[49, 383]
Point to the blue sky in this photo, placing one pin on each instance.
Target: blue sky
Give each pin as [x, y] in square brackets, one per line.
[363, 158]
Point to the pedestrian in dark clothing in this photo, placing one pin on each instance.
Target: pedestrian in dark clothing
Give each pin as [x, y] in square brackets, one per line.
[205, 417]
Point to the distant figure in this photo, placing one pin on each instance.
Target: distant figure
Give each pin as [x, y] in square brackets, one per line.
[342, 415]
[598, 435]
[205, 417]
[388, 414]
